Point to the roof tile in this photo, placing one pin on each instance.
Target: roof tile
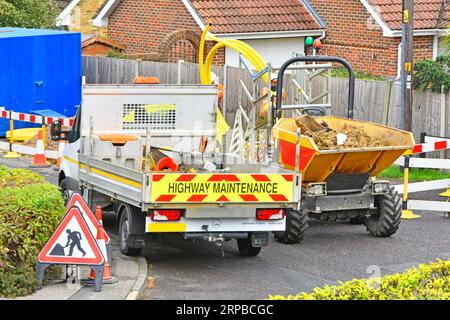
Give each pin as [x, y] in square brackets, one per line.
[242, 16]
[428, 14]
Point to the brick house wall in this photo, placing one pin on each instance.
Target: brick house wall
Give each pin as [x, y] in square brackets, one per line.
[353, 34]
[81, 17]
[150, 29]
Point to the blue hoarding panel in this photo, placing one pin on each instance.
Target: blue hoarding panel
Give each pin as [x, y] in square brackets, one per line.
[39, 69]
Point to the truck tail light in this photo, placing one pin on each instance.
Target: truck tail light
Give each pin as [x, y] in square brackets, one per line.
[165, 215]
[269, 214]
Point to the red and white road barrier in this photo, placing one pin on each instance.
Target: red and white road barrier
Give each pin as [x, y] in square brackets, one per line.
[431, 144]
[31, 118]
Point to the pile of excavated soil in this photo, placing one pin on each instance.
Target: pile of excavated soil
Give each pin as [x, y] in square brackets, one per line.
[326, 138]
[49, 143]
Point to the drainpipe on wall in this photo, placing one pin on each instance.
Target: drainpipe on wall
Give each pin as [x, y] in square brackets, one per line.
[399, 61]
[320, 38]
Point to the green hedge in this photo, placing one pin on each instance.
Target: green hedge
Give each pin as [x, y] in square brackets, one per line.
[426, 282]
[432, 75]
[30, 210]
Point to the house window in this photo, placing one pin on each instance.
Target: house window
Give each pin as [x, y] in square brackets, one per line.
[441, 49]
[182, 50]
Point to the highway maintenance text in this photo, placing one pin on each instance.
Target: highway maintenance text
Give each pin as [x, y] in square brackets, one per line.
[222, 187]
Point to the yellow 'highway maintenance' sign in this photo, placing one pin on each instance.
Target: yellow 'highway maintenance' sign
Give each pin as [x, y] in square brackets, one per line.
[213, 188]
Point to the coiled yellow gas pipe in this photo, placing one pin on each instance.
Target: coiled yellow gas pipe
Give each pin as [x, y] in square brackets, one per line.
[248, 52]
[205, 68]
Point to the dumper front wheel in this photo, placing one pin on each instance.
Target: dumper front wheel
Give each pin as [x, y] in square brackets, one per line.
[296, 225]
[386, 221]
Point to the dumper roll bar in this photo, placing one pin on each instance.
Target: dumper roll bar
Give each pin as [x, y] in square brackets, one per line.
[351, 78]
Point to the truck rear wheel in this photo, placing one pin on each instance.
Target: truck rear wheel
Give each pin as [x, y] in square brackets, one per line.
[124, 235]
[246, 249]
[387, 220]
[64, 191]
[296, 225]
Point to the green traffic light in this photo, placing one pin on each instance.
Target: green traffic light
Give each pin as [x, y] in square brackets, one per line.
[309, 41]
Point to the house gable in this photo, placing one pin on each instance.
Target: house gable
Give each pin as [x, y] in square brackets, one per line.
[134, 24]
[78, 14]
[362, 40]
[431, 17]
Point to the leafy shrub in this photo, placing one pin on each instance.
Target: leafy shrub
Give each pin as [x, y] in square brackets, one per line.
[117, 55]
[18, 178]
[18, 282]
[28, 13]
[30, 210]
[426, 282]
[432, 75]
[342, 72]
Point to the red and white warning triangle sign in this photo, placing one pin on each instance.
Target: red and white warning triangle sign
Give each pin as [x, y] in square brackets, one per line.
[78, 201]
[72, 243]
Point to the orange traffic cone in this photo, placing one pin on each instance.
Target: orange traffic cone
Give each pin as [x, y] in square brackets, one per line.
[61, 146]
[99, 215]
[39, 153]
[107, 278]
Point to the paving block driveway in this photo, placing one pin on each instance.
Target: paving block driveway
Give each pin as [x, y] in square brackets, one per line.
[330, 252]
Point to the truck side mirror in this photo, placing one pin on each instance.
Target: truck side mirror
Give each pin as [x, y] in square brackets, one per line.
[56, 130]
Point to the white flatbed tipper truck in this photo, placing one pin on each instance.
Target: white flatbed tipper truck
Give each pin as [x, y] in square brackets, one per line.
[212, 196]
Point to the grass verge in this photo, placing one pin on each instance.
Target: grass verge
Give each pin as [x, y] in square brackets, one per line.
[393, 172]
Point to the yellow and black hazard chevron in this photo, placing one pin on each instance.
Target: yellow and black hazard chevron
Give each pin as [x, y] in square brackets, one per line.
[212, 188]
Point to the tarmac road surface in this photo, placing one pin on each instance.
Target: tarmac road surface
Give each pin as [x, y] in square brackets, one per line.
[330, 252]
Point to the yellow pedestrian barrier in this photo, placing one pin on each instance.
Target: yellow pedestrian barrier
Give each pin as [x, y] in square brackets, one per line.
[407, 214]
[11, 153]
[447, 195]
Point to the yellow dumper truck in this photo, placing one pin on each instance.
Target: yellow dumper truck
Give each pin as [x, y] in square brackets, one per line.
[337, 180]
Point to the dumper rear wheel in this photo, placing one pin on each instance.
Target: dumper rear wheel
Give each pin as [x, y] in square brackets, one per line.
[387, 220]
[296, 225]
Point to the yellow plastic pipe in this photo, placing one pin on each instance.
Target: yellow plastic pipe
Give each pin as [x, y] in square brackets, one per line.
[240, 47]
[248, 52]
[205, 67]
[208, 63]
[202, 53]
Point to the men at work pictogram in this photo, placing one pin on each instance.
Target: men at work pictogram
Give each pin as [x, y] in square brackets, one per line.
[73, 239]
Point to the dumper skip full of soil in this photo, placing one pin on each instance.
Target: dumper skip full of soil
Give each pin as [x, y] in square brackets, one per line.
[325, 135]
[364, 147]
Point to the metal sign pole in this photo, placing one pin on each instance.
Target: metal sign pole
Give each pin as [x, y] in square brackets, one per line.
[407, 65]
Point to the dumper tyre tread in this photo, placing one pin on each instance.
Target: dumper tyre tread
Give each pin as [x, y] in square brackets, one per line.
[296, 226]
[246, 249]
[124, 243]
[386, 222]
